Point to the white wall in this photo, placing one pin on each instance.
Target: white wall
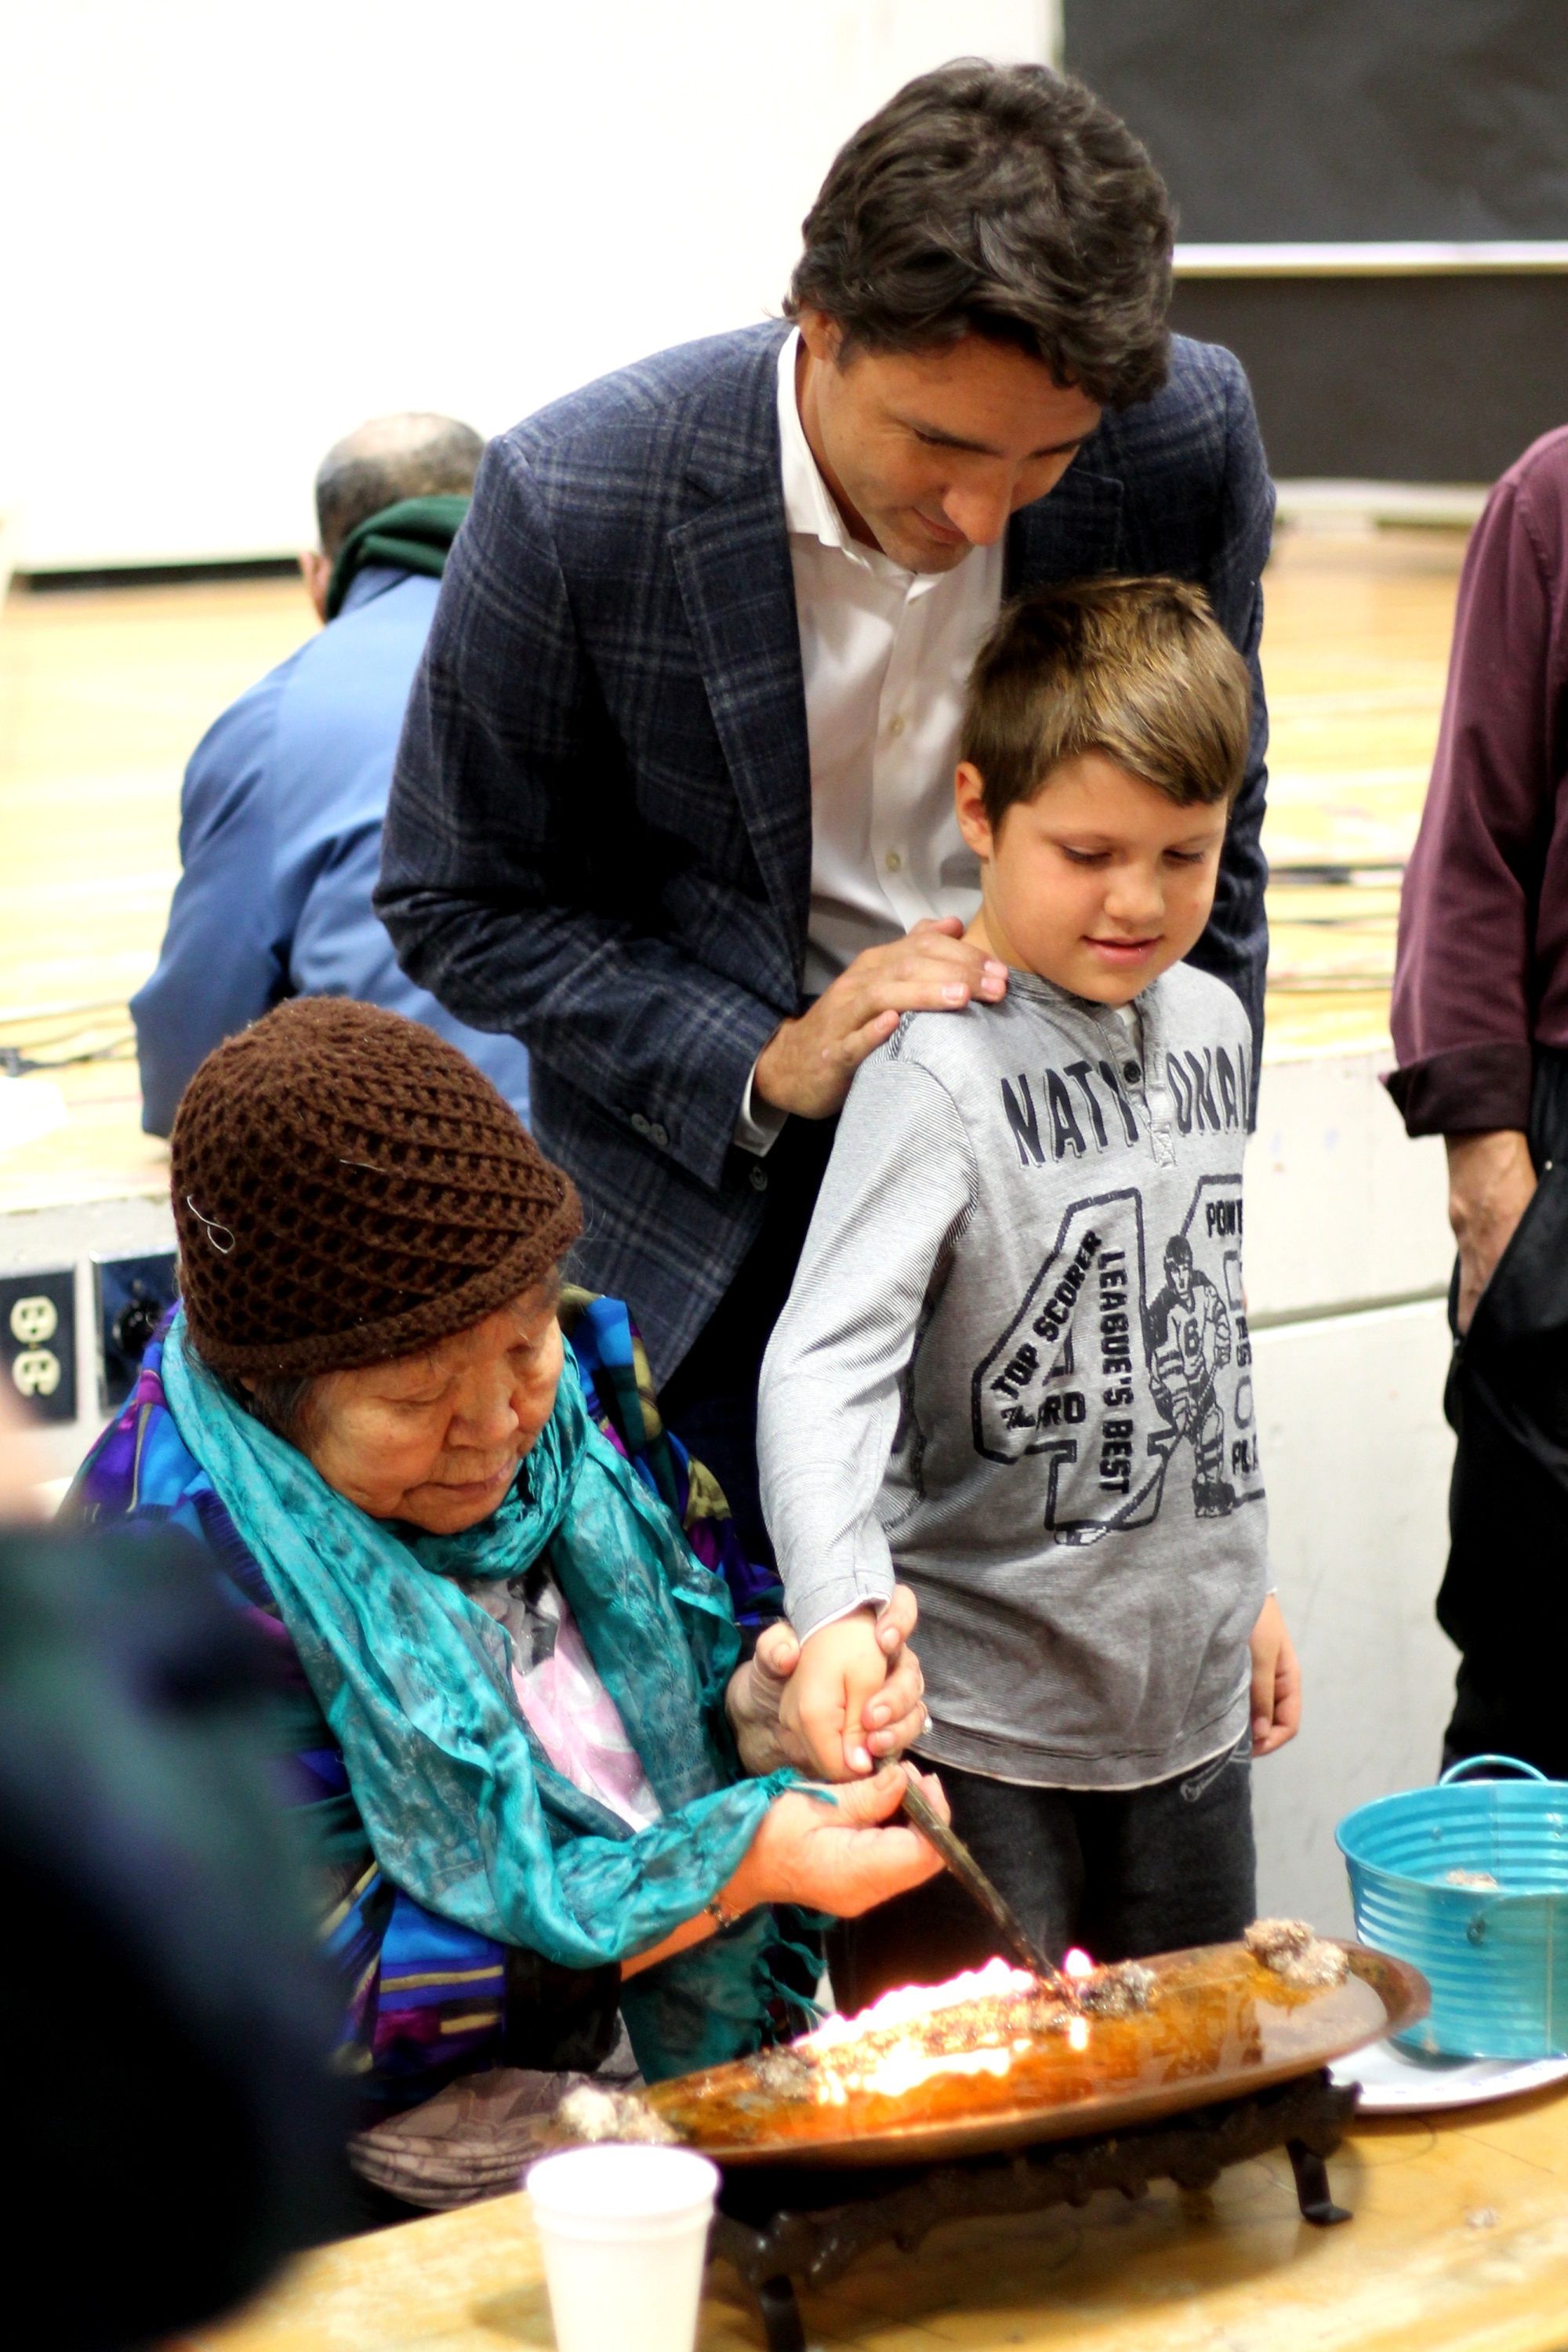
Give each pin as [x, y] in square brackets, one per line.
[234, 230]
[1357, 1455]
[1341, 1207]
[1343, 1210]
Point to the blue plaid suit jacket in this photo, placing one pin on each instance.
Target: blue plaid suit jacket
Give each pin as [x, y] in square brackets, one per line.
[599, 835]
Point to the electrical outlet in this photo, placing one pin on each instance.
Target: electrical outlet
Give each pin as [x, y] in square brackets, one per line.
[37, 1340]
[131, 1295]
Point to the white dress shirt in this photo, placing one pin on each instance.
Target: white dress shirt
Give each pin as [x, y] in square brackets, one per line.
[885, 654]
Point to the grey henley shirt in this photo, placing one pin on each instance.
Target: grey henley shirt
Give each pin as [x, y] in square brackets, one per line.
[1016, 1364]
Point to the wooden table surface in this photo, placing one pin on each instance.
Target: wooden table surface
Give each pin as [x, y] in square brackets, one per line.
[1460, 2243]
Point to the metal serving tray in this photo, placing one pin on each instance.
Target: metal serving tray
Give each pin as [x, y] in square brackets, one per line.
[1220, 2027]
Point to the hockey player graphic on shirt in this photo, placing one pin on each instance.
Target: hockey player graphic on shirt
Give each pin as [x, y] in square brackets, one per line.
[1117, 1360]
[1189, 1346]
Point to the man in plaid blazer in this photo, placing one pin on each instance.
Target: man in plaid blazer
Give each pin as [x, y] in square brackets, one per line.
[619, 823]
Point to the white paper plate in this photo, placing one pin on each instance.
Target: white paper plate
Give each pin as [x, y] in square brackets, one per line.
[1398, 2082]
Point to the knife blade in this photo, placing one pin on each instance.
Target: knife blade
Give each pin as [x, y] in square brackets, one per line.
[924, 1817]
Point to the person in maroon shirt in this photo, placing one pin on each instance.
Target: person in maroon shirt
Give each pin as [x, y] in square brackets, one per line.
[1481, 1029]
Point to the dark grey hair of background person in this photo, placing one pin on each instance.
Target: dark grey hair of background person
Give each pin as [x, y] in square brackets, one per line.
[409, 456]
[985, 203]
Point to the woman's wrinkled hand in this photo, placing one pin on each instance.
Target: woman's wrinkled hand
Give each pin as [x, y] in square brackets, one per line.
[827, 1849]
[893, 1717]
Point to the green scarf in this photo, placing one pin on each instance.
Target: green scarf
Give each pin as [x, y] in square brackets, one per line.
[460, 1803]
[414, 535]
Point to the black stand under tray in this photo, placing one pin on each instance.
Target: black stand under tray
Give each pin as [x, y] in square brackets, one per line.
[778, 2224]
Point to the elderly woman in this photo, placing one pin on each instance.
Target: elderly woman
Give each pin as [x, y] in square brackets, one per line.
[543, 1783]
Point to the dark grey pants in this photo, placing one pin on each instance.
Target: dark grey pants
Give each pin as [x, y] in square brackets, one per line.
[1123, 1873]
[1505, 1593]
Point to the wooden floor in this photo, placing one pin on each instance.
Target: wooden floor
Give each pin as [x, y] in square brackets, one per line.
[102, 698]
[1355, 652]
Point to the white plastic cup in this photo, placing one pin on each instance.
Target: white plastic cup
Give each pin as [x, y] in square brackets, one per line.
[623, 2232]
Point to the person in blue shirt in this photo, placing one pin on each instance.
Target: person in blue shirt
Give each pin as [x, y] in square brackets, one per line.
[281, 809]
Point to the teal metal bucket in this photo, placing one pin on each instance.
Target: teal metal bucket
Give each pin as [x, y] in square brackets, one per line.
[1495, 1956]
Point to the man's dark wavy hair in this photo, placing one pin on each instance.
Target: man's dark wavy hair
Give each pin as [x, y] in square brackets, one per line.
[1003, 201]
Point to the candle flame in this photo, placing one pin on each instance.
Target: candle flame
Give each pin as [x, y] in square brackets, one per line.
[907, 2003]
[1078, 1963]
[905, 2070]
[890, 2072]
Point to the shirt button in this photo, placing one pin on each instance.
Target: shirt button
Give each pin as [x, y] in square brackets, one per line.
[1129, 1071]
[759, 1180]
[893, 861]
[658, 1135]
[639, 1124]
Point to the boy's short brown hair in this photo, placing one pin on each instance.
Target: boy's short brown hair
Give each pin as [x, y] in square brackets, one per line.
[1137, 669]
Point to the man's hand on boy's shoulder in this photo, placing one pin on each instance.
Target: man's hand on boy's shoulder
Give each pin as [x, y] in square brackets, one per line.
[1276, 1681]
[851, 1694]
[806, 1064]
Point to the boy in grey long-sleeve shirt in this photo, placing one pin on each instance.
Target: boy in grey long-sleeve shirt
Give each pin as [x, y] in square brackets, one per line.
[1015, 1358]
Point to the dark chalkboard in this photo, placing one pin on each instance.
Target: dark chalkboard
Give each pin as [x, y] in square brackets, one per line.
[1391, 379]
[1350, 122]
[1341, 119]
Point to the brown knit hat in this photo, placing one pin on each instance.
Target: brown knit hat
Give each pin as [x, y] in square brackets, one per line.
[348, 1187]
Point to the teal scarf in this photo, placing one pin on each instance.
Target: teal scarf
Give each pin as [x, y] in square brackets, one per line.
[414, 535]
[460, 1803]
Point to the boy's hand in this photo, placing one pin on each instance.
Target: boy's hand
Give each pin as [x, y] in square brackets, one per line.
[893, 1717]
[1275, 1683]
[822, 1709]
